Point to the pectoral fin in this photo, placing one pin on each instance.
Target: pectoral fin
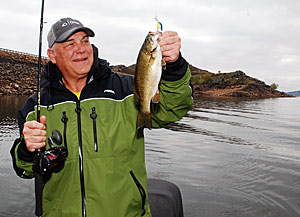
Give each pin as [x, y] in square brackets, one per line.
[163, 64]
[156, 97]
[151, 60]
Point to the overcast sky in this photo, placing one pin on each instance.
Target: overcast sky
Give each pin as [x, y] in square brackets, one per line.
[259, 37]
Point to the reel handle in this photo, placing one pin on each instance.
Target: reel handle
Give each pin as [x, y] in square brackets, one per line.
[56, 138]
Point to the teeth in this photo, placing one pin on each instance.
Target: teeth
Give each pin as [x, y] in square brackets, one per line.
[79, 60]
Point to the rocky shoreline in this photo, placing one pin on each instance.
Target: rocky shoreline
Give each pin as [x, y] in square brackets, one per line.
[234, 84]
[18, 76]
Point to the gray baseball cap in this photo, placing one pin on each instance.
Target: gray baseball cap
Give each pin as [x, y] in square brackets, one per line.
[64, 28]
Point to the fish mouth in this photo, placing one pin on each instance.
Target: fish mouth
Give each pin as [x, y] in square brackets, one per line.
[154, 49]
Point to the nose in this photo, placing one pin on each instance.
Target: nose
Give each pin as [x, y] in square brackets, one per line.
[80, 48]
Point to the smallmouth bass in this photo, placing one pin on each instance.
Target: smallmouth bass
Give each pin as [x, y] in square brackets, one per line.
[147, 77]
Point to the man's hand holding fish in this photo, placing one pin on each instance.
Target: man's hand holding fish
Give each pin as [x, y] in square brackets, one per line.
[170, 44]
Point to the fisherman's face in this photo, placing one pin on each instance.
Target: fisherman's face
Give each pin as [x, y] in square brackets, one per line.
[73, 57]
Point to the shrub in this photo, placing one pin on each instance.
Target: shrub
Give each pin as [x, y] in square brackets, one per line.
[248, 81]
[274, 86]
[234, 81]
[207, 78]
[196, 79]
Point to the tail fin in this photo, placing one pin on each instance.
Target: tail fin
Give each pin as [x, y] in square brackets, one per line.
[144, 119]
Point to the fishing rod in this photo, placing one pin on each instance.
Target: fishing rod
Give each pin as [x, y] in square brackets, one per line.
[40, 65]
[38, 177]
[44, 162]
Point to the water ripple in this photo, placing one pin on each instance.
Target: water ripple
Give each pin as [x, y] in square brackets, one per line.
[178, 126]
[217, 120]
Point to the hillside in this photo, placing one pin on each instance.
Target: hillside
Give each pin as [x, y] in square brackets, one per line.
[294, 93]
[18, 73]
[18, 76]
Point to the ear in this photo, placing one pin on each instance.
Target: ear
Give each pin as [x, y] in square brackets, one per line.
[51, 55]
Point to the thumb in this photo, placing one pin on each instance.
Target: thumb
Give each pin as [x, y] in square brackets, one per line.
[43, 119]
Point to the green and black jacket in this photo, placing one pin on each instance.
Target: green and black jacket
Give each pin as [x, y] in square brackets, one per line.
[104, 174]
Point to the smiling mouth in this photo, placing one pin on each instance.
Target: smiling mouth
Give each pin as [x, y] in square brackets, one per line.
[80, 60]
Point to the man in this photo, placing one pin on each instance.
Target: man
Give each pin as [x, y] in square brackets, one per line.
[94, 109]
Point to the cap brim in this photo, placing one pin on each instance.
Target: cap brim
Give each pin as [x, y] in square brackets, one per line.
[67, 34]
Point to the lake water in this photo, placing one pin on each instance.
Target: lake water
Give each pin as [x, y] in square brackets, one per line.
[229, 157]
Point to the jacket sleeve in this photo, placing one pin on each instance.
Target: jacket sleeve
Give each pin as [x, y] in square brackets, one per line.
[175, 94]
[21, 157]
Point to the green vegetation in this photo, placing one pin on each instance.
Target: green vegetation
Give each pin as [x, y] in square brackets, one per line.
[223, 79]
[248, 81]
[205, 79]
[234, 81]
[196, 79]
[274, 86]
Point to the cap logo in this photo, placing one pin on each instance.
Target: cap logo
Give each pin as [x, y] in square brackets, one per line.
[70, 23]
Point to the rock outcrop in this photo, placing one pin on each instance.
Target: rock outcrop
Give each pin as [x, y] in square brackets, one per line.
[233, 84]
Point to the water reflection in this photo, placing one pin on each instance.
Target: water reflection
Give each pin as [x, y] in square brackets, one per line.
[9, 106]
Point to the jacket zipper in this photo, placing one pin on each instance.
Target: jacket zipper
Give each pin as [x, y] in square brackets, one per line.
[78, 110]
[93, 115]
[64, 119]
[141, 190]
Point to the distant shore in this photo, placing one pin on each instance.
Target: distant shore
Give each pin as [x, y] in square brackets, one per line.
[18, 76]
[231, 84]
